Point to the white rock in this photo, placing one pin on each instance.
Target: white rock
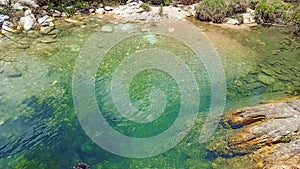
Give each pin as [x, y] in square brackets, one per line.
[249, 16]
[7, 27]
[92, 10]
[232, 21]
[18, 6]
[100, 11]
[108, 8]
[64, 14]
[27, 22]
[3, 18]
[28, 12]
[3, 2]
[45, 19]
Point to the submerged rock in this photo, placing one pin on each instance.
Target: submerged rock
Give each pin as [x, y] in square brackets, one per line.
[107, 28]
[11, 72]
[46, 30]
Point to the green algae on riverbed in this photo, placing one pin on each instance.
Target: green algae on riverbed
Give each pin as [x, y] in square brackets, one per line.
[260, 64]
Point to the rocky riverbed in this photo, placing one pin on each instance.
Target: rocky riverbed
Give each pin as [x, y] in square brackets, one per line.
[264, 137]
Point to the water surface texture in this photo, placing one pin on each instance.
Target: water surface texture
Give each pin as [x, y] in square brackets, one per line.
[38, 123]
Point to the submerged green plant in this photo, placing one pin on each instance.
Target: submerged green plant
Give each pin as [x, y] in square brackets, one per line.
[161, 10]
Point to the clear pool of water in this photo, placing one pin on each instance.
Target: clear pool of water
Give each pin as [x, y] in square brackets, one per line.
[38, 123]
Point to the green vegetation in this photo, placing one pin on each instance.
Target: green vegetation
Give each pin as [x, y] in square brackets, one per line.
[297, 20]
[212, 10]
[266, 11]
[159, 2]
[161, 10]
[217, 10]
[145, 6]
[273, 11]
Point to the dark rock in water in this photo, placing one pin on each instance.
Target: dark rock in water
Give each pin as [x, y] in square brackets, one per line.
[81, 166]
[268, 134]
[1, 66]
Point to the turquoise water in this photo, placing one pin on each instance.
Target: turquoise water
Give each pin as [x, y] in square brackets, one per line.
[38, 123]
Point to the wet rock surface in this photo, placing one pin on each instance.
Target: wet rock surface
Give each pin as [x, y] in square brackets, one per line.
[268, 134]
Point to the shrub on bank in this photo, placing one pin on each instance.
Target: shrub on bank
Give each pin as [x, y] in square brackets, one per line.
[211, 10]
[159, 2]
[217, 10]
[297, 20]
[273, 11]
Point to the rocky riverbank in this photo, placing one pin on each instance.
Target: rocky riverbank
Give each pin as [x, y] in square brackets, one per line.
[263, 137]
[27, 15]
